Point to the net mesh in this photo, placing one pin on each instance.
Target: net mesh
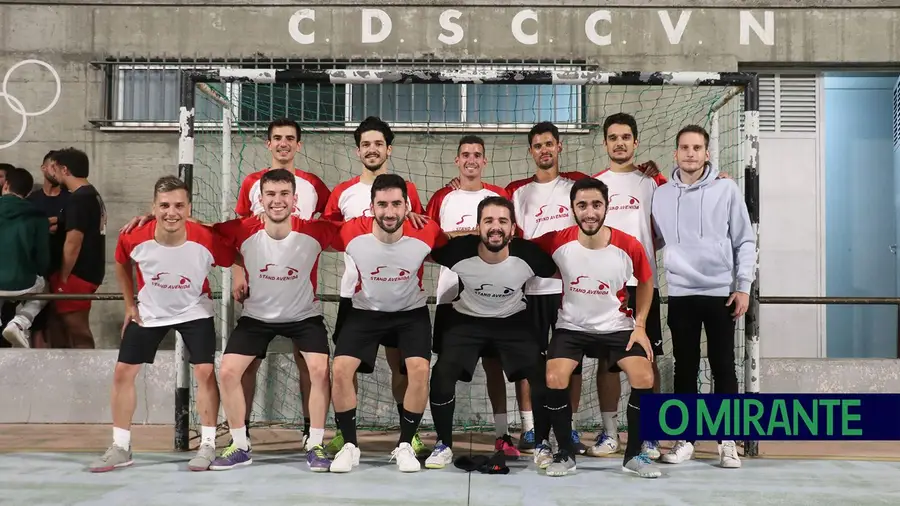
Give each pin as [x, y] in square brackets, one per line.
[429, 120]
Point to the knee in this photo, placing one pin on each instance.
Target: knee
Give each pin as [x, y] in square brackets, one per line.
[343, 372]
[318, 370]
[417, 370]
[556, 380]
[443, 379]
[230, 375]
[641, 378]
[125, 373]
[204, 373]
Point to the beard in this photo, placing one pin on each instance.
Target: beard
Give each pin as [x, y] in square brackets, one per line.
[393, 229]
[374, 165]
[590, 232]
[621, 157]
[270, 217]
[494, 248]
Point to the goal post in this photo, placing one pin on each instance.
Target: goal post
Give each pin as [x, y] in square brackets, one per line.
[214, 154]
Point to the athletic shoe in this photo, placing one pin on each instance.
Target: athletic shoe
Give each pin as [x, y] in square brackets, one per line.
[406, 458]
[205, 457]
[419, 448]
[605, 446]
[505, 444]
[563, 464]
[346, 459]
[580, 448]
[526, 443]
[15, 336]
[679, 453]
[441, 457]
[728, 455]
[642, 466]
[231, 457]
[114, 457]
[317, 460]
[651, 449]
[543, 455]
[335, 445]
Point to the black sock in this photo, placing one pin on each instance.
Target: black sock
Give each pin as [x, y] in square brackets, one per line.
[400, 410]
[560, 414]
[409, 424]
[633, 448]
[306, 424]
[247, 428]
[442, 413]
[346, 422]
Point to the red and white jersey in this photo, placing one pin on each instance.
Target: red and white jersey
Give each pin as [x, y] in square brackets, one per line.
[281, 274]
[595, 298]
[352, 199]
[312, 194]
[542, 208]
[630, 203]
[389, 275]
[172, 281]
[456, 210]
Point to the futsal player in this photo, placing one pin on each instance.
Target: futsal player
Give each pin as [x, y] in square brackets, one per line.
[388, 252]
[489, 314]
[710, 267]
[352, 199]
[455, 209]
[595, 262]
[173, 258]
[281, 256]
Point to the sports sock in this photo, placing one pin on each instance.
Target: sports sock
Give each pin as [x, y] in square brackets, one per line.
[247, 426]
[633, 448]
[560, 414]
[208, 436]
[306, 424]
[346, 422]
[501, 427]
[527, 420]
[316, 436]
[400, 409]
[409, 424]
[610, 423]
[239, 436]
[442, 413]
[122, 438]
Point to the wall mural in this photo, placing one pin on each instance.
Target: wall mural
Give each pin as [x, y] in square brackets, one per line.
[16, 105]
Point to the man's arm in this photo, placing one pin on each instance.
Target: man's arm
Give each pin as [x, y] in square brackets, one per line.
[126, 284]
[71, 250]
[642, 303]
[743, 241]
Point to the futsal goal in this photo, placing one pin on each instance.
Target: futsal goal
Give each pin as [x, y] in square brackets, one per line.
[225, 109]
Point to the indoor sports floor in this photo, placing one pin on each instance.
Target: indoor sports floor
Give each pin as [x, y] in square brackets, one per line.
[46, 464]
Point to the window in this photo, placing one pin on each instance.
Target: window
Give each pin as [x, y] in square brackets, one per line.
[787, 103]
[151, 94]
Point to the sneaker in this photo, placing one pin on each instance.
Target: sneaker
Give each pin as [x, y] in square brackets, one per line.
[563, 464]
[14, 334]
[505, 444]
[526, 443]
[543, 455]
[205, 457]
[232, 457]
[406, 458]
[346, 458]
[114, 457]
[335, 445]
[651, 449]
[441, 457]
[605, 446]
[728, 455]
[580, 448]
[642, 466]
[317, 460]
[419, 447]
[682, 451]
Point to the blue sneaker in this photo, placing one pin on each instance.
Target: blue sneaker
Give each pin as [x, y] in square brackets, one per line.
[526, 442]
[232, 457]
[317, 460]
[580, 448]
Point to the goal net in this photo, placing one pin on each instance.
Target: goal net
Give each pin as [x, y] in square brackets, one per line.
[429, 110]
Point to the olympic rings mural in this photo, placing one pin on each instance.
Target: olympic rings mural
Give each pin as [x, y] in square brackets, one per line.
[16, 105]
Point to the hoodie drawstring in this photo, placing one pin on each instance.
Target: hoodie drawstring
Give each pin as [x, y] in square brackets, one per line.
[677, 209]
[700, 215]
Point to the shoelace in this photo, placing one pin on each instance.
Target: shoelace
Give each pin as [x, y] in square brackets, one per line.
[643, 459]
[319, 452]
[729, 450]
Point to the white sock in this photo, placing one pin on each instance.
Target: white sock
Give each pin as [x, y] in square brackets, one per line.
[240, 438]
[500, 424]
[208, 436]
[122, 438]
[527, 420]
[610, 423]
[316, 436]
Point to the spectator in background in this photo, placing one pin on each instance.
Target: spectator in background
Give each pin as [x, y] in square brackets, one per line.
[25, 239]
[84, 248]
[4, 169]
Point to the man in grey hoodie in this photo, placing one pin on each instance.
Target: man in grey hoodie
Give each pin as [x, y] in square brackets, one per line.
[710, 263]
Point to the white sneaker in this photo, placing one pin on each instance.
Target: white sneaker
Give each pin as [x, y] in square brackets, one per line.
[681, 452]
[346, 459]
[728, 455]
[441, 457]
[604, 446]
[406, 458]
[16, 336]
[543, 455]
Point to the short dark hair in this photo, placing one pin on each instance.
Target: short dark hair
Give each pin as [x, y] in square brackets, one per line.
[496, 200]
[374, 123]
[387, 182]
[73, 159]
[7, 167]
[589, 183]
[620, 118]
[542, 128]
[282, 122]
[278, 176]
[48, 156]
[470, 139]
[692, 129]
[168, 184]
[20, 181]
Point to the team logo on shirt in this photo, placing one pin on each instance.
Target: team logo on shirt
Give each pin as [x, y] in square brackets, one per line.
[488, 290]
[169, 281]
[621, 202]
[462, 219]
[587, 286]
[389, 274]
[550, 212]
[275, 272]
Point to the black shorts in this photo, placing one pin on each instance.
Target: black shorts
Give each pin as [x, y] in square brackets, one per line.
[443, 317]
[140, 344]
[252, 336]
[467, 337]
[577, 345]
[544, 311]
[654, 320]
[344, 308]
[363, 331]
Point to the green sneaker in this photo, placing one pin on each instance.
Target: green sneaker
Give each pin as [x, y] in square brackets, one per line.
[335, 445]
[419, 447]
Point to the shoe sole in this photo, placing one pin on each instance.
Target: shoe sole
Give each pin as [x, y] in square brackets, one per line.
[200, 467]
[111, 468]
[560, 475]
[639, 475]
[226, 468]
[14, 339]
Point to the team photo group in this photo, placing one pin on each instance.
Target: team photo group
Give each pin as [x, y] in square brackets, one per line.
[534, 277]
